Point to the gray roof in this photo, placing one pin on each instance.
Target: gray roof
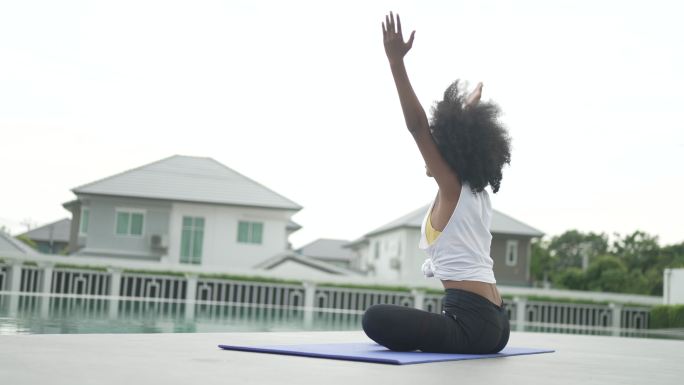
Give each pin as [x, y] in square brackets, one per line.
[60, 231]
[504, 224]
[327, 249]
[189, 179]
[286, 256]
[412, 219]
[292, 225]
[13, 245]
[501, 224]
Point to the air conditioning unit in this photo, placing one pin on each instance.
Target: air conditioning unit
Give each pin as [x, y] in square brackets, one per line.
[159, 241]
[395, 263]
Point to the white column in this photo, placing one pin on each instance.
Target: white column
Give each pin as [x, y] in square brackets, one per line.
[520, 305]
[114, 290]
[309, 301]
[616, 315]
[45, 287]
[418, 299]
[309, 294]
[14, 286]
[46, 278]
[190, 295]
[114, 281]
[667, 273]
[15, 276]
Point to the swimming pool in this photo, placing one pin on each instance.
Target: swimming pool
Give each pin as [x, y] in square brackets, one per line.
[20, 314]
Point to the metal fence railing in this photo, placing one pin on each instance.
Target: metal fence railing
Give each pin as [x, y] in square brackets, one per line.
[181, 293]
[72, 281]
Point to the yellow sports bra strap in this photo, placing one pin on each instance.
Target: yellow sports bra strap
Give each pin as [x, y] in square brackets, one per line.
[430, 233]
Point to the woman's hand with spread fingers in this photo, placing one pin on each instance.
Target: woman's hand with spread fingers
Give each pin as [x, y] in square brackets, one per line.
[393, 39]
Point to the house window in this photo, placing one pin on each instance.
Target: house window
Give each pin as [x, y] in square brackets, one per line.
[85, 215]
[250, 232]
[377, 250]
[192, 237]
[511, 253]
[129, 222]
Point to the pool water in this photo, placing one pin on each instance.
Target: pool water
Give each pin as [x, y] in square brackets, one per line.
[62, 315]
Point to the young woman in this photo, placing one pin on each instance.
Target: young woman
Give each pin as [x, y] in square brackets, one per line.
[464, 149]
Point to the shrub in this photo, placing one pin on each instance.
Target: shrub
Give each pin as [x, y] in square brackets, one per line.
[677, 316]
[658, 319]
[28, 241]
[667, 316]
[572, 278]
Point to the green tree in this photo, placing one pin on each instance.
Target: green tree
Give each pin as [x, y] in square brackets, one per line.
[572, 278]
[631, 264]
[653, 281]
[570, 248]
[607, 273]
[638, 250]
[541, 263]
[672, 256]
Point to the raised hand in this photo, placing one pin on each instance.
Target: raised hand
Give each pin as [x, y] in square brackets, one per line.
[395, 47]
[474, 97]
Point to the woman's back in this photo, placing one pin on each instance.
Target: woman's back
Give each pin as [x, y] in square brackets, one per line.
[462, 250]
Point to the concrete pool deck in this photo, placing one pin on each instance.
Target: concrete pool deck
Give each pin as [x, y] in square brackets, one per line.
[125, 359]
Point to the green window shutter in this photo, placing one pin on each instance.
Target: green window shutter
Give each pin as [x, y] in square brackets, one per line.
[136, 224]
[243, 232]
[186, 239]
[197, 240]
[257, 231]
[192, 238]
[85, 214]
[122, 219]
[185, 245]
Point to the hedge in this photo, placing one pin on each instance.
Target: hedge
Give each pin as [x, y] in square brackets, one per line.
[667, 316]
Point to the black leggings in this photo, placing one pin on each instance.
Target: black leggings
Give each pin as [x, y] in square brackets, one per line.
[469, 324]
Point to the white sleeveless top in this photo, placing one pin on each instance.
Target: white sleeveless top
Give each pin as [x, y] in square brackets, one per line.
[461, 252]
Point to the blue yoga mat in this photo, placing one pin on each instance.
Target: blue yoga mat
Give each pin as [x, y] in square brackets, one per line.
[372, 352]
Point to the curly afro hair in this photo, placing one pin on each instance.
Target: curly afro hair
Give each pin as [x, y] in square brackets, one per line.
[471, 139]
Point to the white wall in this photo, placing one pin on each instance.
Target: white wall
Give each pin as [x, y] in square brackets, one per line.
[414, 257]
[220, 247]
[399, 243]
[362, 257]
[673, 286]
[385, 248]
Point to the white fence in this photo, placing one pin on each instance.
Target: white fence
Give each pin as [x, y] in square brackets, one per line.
[359, 299]
[200, 294]
[229, 291]
[72, 281]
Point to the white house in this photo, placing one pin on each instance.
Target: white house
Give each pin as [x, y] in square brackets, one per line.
[11, 245]
[331, 251]
[181, 210]
[391, 252]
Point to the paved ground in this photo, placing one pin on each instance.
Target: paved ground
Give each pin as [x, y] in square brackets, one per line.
[126, 359]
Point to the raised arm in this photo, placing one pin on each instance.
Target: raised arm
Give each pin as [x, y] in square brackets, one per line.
[414, 114]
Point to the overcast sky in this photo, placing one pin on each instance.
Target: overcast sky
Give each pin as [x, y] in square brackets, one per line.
[299, 96]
